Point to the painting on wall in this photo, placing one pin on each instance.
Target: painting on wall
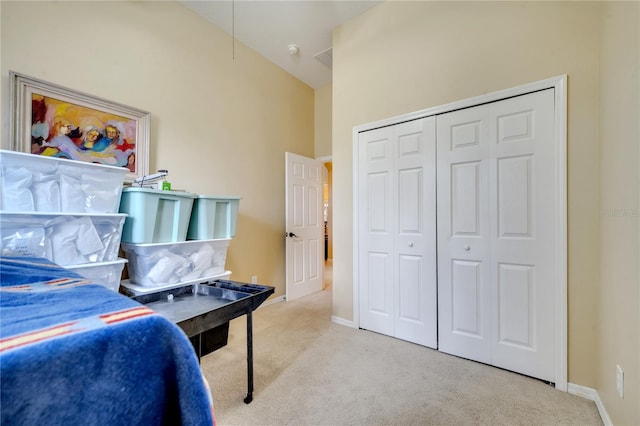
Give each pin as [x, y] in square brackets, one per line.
[51, 120]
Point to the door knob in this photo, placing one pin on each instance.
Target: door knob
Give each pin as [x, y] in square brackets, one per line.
[410, 244]
[467, 247]
[290, 234]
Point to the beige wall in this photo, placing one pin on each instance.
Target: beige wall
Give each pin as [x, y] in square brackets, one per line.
[619, 309]
[322, 115]
[219, 125]
[406, 56]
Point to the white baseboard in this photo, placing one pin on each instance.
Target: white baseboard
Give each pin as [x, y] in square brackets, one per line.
[591, 394]
[342, 321]
[272, 301]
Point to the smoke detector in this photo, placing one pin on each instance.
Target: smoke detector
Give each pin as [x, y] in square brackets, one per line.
[293, 49]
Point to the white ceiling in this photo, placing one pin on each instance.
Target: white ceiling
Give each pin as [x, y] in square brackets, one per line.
[269, 27]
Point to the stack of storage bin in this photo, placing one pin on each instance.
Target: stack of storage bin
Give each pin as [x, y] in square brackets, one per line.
[172, 238]
[65, 211]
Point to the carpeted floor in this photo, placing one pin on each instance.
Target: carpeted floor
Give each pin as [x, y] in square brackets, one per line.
[310, 371]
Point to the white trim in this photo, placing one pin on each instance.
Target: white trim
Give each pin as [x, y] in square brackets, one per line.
[606, 420]
[558, 83]
[560, 87]
[356, 239]
[582, 391]
[343, 321]
[272, 301]
[592, 395]
[553, 82]
[325, 159]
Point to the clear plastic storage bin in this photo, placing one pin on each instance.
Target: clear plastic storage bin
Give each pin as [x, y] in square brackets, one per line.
[37, 183]
[213, 217]
[107, 274]
[64, 238]
[152, 265]
[155, 216]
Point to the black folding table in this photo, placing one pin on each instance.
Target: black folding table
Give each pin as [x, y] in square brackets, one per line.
[203, 311]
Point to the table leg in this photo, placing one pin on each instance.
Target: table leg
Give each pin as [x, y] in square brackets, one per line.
[249, 397]
[196, 342]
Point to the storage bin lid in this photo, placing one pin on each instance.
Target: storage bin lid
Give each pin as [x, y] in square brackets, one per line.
[160, 192]
[14, 158]
[186, 243]
[219, 197]
[52, 215]
[118, 261]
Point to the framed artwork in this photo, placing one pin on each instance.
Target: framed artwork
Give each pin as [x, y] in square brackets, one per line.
[47, 119]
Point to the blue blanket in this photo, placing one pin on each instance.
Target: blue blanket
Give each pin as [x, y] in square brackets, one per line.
[72, 352]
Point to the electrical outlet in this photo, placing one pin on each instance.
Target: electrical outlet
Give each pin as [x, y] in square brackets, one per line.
[620, 381]
[254, 279]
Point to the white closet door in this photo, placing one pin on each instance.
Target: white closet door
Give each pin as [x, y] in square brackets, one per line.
[496, 231]
[415, 243]
[523, 234]
[464, 270]
[397, 231]
[376, 230]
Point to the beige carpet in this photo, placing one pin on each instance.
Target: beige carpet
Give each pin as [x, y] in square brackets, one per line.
[310, 371]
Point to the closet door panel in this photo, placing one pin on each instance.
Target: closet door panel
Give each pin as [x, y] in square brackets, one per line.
[496, 232]
[523, 233]
[396, 227]
[415, 246]
[376, 230]
[464, 272]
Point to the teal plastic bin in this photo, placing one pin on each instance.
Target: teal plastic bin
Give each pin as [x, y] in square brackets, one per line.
[155, 216]
[213, 217]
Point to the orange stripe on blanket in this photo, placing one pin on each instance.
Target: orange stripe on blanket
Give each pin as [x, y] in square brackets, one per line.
[23, 287]
[58, 281]
[66, 282]
[126, 315]
[72, 327]
[47, 285]
[36, 336]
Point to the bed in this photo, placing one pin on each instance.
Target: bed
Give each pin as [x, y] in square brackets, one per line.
[73, 352]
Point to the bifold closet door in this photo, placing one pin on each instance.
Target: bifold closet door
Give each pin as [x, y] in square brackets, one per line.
[496, 233]
[396, 231]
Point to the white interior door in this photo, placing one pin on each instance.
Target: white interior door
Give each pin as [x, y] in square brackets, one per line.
[397, 255]
[304, 226]
[496, 233]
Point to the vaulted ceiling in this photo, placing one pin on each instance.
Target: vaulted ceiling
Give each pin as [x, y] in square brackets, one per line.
[272, 27]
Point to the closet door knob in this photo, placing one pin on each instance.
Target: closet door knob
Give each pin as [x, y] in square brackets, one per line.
[410, 244]
[467, 247]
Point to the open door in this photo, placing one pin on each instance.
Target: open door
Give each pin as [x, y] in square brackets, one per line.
[304, 231]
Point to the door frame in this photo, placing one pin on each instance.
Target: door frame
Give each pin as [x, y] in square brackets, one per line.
[329, 159]
[559, 84]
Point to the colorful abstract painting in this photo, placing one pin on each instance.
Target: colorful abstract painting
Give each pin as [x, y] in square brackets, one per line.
[62, 129]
